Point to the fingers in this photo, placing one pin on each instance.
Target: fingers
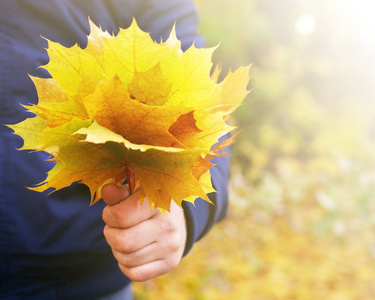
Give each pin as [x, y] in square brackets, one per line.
[127, 213]
[154, 251]
[141, 257]
[145, 243]
[150, 248]
[133, 238]
[150, 270]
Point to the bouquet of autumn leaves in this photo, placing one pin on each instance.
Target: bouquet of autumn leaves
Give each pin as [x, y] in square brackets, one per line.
[126, 107]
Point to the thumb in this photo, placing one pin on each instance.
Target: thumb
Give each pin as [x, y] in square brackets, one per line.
[113, 194]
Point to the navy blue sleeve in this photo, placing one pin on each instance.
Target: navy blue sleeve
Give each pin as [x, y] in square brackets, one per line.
[54, 248]
[158, 18]
[162, 15]
[201, 216]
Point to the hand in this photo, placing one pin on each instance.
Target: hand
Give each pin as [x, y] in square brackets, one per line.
[145, 243]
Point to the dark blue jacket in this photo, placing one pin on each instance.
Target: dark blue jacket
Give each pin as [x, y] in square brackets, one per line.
[52, 247]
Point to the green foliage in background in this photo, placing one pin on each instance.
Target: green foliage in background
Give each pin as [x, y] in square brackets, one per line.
[301, 223]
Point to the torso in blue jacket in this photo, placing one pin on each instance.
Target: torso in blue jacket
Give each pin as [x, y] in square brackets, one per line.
[52, 246]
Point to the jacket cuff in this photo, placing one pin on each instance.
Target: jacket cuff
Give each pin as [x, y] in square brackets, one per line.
[201, 215]
[197, 216]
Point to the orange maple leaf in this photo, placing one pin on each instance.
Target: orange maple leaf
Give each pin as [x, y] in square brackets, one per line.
[126, 107]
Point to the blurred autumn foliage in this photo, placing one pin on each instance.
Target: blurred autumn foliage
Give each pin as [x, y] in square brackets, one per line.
[301, 223]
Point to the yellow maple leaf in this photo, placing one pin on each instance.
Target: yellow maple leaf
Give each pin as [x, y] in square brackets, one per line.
[126, 107]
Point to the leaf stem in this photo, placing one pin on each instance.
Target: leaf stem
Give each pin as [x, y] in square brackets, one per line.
[132, 181]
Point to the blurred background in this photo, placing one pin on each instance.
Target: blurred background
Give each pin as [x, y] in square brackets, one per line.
[301, 223]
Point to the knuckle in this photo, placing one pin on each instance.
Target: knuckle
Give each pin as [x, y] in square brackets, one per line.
[118, 239]
[124, 244]
[120, 257]
[169, 245]
[110, 236]
[105, 232]
[173, 243]
[106, 214]
[166, 225]
[170, 263]
[112, 216]
[135, 275]
[118, 216]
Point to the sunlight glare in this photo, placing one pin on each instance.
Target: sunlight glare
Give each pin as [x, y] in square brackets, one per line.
[361, 15]
[306, 24]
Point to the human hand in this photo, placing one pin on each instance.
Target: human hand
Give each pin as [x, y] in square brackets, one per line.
[145, 243]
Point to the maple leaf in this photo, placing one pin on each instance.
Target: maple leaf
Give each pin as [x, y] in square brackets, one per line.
[126, 107]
